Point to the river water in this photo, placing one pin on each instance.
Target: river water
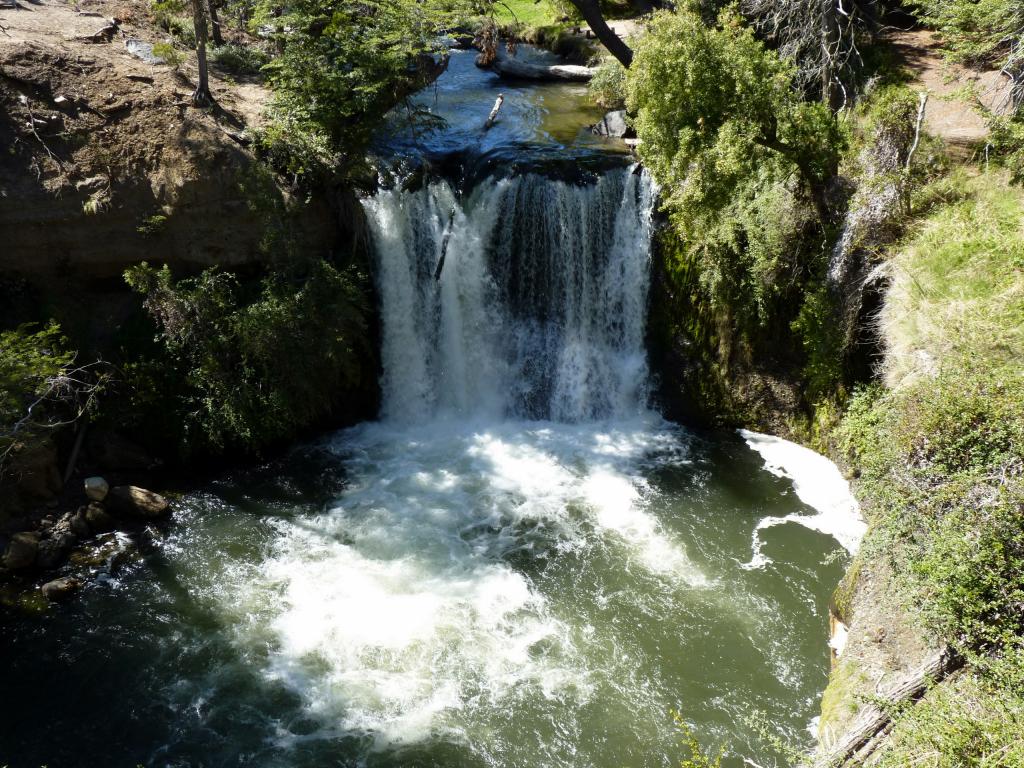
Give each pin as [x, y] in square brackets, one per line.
[519, 564]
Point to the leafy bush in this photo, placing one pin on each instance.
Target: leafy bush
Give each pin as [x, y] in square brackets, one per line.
[175, 17]
[977, 32]
[343, 65]
[608, 86]
[171, 55]
[713, 106]
[240, 59]
[30, 362]
[247, 369]
[1006, 145]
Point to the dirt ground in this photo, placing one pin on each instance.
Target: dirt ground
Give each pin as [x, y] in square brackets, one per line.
[957, 96]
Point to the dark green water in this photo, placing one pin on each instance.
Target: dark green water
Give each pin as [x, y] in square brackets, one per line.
[519, 594]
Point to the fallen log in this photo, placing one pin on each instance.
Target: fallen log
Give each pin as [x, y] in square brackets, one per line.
[513, 68]
[444, 244]
[861, 739]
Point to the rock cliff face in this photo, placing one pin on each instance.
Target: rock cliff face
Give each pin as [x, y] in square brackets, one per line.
[106, 163]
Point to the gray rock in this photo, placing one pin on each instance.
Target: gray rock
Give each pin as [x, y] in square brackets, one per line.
[132, 500]
[98, 518]
[60, 589]
[52, 552]
[21, 551]
[96, 488]
[614, 125]
[140, 49]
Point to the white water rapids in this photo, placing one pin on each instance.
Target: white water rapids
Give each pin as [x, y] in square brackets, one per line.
[501, 574]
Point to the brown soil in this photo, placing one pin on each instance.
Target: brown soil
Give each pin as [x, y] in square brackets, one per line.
[957, 97]
[106, 162]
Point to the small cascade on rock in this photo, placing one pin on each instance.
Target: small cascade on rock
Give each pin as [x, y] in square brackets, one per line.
[538, 309]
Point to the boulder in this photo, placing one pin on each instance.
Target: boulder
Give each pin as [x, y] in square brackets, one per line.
[614, 126]
[60, 589]
[21, 551]
[98, 519]
[78, 525]
[96, 488]
[52, 552]
[138, 502]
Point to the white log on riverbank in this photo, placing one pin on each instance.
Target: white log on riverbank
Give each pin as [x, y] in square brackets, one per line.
[514, 68]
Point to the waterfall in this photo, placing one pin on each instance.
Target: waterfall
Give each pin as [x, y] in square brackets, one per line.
[539, 311]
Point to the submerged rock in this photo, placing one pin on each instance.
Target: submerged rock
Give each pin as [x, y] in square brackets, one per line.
[60, 589]
[132, 500]
[96, 488]
[21, 551]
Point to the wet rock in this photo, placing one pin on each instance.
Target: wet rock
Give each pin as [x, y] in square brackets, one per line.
[21, 551]
[78, 525]
[52, 552]
[138, 502]
[614, 125]
[98, 518]
[60, 589]
[96, 488]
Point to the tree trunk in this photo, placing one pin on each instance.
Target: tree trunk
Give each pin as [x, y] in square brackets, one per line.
[590, 10]
[829, 44]
[860, 741]
[201, 96]
[215, 33]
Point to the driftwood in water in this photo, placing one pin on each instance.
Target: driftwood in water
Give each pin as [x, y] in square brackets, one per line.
[494, 112]
[864, 735]
[507, 67]
[444, 242]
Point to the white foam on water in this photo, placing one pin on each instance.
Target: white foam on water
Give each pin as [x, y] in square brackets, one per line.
[400, 609]
[818, 483]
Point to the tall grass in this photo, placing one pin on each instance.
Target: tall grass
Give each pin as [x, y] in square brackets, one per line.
[958, 288]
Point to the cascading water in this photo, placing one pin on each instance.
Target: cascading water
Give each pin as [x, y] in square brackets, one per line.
[539, 309]
[520, 564]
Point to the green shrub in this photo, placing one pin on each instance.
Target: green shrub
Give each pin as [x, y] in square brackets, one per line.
[169, 53]
[174, 16]
[241, 367]
[966, 722]
[240, 59]
[976, 32]
[1006, 145]
[30, 361]
[608, 86]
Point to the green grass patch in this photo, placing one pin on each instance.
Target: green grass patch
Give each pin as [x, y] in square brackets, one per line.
[958, 288]
[527, 12]
[964, 723]
[940, 453]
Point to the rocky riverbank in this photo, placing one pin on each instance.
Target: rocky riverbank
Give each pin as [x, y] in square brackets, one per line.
[73, 544]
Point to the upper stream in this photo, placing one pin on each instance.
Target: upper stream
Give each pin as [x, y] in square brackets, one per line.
[520, 565]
